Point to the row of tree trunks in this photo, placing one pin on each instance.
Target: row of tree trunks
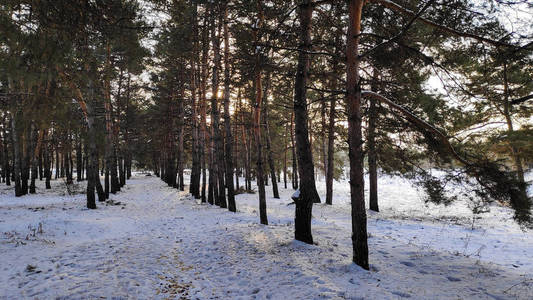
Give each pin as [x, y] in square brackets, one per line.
[216, 138]
[35, 155]
[93, 179]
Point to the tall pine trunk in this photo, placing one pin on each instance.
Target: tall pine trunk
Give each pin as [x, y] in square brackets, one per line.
[203, 139]
[227, 118]
[306, 170]
[181, 125]
[286, 147]
[269, 153]
[6, 170]
[257, 116]
[355, 139]
[47, 162]
[372, 152]
[25, 161]
[33, 160]
[331, 136]
[16, 153]
[194, 185]
[79, 161]
[294, 179]
[218, 148]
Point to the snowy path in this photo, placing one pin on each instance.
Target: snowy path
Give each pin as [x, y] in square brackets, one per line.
[159, 243]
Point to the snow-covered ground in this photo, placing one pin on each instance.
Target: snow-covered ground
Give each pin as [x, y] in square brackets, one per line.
[156, 242]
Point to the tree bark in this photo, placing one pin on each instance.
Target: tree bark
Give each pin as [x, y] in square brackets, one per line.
[79, 160]
[205, 153]
[294, 158]
[323, 149]
[355, 141]
[286, 146]
[372, 152]
[257, 114]
[6, 170]
[515, 154]
[194, 185]
[47, 163]
[181, 125]
[227, 118]
[331, 135]
[25, 161]
[218, 148]
[270, 159]
[33, 162]
[308, 192]
[16, 153]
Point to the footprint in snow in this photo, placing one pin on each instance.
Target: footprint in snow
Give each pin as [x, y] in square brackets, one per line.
[407, 263]
[454, 279]
[401, 294]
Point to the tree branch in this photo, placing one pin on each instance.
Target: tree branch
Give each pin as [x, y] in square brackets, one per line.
[395, 7]
[412, 118]
[521, 100]
[79, 95]
[399, 35]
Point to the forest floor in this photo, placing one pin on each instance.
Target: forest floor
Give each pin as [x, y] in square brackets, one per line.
[152, 241]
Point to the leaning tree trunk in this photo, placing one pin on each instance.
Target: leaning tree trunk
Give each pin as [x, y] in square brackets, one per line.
[523, 204]
[306, 170]
[355, 139]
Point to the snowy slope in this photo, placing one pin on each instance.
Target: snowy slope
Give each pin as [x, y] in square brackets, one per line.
[159, 243]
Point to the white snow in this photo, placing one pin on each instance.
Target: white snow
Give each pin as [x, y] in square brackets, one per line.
[160, 243]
